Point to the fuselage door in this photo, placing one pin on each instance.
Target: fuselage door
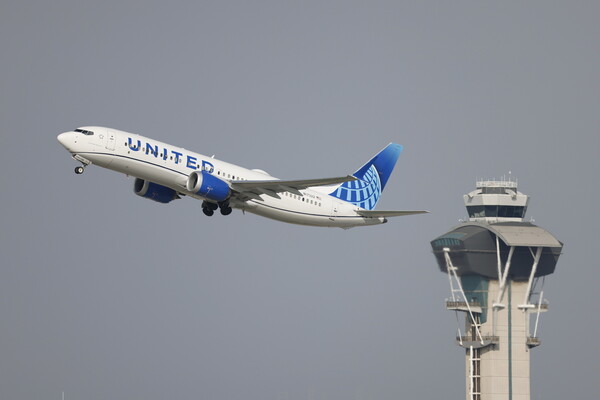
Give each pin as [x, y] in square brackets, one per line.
[110, 140]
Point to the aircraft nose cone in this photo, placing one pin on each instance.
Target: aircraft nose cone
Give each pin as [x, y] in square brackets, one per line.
[64, 139]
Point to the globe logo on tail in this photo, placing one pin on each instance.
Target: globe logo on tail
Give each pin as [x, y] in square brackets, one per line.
[363, 192]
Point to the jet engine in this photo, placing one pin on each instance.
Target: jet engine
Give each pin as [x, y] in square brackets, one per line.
[154, 191]
[208, 186]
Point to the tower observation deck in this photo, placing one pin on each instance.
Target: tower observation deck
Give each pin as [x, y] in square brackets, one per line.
[496, 264]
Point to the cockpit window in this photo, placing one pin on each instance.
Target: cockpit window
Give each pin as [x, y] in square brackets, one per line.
[89, 133]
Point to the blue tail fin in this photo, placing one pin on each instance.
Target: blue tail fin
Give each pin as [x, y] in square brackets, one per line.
[372, 177]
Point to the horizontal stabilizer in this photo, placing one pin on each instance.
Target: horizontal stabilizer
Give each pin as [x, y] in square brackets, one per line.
[380, 214]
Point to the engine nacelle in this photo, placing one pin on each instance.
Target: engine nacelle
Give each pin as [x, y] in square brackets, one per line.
[154, 191]
[208, 186]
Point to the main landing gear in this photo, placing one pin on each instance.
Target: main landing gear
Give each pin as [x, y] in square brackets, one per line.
[79, 170]
[209, 208]
[225, 209]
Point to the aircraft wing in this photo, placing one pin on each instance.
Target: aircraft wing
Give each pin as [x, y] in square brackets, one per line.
[379, 214]
[253, 189]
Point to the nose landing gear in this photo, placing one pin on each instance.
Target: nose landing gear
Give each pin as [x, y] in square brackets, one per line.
[84, 163]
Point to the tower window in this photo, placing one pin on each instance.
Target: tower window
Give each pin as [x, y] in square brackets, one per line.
[496, 211]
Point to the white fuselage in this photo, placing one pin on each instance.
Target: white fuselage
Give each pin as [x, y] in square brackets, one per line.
[170, 166]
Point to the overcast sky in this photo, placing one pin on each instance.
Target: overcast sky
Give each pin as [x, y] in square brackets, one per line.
[106, 295]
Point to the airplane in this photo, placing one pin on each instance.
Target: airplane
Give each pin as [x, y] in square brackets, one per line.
[164, 173]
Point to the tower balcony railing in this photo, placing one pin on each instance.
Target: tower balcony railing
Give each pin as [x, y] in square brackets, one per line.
[503, 182]
[533, 341]
[463, 306]
[476, 342]
[534, 307]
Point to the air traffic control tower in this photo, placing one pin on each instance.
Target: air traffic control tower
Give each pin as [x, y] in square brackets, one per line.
[496, 264]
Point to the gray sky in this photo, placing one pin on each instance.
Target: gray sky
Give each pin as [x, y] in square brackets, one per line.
[107, 295]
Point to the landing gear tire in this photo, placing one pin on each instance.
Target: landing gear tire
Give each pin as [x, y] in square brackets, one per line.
[226, 210]
[79, 170]
[207, 211]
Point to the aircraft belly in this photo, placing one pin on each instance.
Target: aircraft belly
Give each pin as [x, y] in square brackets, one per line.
[305, 218]
[289, 216]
